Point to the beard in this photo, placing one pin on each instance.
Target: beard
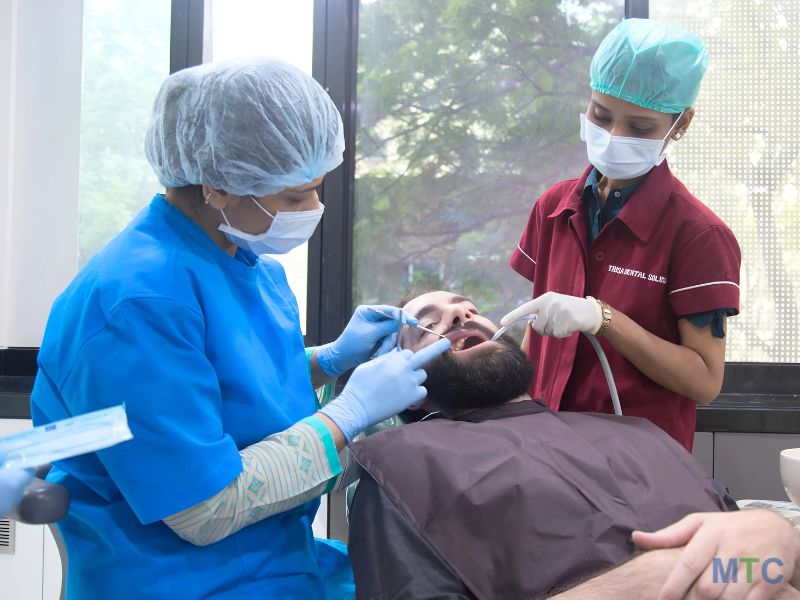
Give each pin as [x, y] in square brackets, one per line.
[490, 377]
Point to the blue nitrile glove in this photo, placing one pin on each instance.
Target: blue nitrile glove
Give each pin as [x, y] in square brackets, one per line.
[382, 388]
[367, 332]
[12, 482]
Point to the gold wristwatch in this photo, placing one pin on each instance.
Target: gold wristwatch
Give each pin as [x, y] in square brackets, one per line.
[605, 311]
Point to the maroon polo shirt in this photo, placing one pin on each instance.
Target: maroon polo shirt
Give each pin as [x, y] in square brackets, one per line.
[666, 255]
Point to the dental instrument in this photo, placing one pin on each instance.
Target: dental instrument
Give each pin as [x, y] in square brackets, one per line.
[612, 386]
[418, 326]
[504, 328]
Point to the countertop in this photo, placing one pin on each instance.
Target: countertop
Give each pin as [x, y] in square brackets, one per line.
[14, 397]
[742, 413]
[751, 413]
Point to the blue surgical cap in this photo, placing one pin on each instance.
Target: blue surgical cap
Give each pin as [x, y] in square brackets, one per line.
[651, 64]
[246, 126]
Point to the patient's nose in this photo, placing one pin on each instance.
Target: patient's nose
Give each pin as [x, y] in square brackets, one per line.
[459, 314]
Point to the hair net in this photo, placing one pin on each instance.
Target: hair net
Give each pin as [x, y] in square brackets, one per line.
[651, 64]
[246, 126]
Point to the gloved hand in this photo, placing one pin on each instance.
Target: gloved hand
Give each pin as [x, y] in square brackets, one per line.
[12, 482]
[560, 315]
[366, 333]
[382, 388]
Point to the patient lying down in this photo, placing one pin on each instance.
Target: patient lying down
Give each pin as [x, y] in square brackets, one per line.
[493, 495]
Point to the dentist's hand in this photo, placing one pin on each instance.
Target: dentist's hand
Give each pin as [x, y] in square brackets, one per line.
[382, 388]
[367, 332]
[559, 315]
[12, 482]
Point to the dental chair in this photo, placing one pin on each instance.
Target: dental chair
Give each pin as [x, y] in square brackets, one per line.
[45, 503]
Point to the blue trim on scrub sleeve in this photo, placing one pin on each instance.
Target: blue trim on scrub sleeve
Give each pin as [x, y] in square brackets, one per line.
[331, 454]
[151, 357]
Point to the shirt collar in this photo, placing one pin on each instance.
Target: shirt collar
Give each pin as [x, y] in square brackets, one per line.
[625, 192]
[571, 200]
[652, 194]
[490, 413]
[591, 178]
[503, 411]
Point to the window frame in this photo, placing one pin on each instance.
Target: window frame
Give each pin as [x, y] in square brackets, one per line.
[187, 35]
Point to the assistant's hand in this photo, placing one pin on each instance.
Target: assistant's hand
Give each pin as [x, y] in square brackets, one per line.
[757, 534]
[382, 388]
[366, 332]
[559, 315]
[12, 482]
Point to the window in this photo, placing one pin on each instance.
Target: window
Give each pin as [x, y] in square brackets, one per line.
[125, 59]
[268, 28]
[467, 111]
[741, 158]
[77, 82]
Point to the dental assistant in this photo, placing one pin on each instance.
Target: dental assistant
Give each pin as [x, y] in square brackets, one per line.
[183, 319]
[625, 252]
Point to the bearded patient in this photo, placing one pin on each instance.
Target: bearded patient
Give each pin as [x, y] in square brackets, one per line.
[492, 495]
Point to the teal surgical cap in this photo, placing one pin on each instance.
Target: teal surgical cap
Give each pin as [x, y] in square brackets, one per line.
[246, 126]
[650, 64]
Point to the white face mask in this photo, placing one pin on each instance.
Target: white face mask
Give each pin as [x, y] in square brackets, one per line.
[619, 157]
[288, 231]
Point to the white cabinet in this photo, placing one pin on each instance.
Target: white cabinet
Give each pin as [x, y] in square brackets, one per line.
[703, 450]
[33, 571]
[51, 568]
[748, 464]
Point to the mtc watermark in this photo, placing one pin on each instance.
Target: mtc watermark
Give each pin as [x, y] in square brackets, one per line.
[730, 573]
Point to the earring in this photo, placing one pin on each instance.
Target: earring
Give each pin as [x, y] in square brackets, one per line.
[208, 198]
[677, 136]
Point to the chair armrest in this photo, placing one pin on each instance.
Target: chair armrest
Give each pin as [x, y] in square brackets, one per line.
[42, 502]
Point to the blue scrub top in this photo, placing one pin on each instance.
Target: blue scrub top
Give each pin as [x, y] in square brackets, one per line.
[206, 353]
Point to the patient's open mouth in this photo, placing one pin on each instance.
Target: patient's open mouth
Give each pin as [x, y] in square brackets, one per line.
[463, 340]
[466, 343]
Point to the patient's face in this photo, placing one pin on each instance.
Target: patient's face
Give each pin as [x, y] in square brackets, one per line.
[477, 372]
[453, 316]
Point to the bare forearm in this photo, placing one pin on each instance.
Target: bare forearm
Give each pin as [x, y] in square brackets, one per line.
[673, 366]
[639, 578]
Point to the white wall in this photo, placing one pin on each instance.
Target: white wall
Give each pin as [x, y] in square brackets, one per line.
[40, 99]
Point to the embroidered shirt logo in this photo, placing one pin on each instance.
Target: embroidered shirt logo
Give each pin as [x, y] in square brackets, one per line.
[639, 274]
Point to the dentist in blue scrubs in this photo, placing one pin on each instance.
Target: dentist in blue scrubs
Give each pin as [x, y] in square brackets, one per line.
[184, 319]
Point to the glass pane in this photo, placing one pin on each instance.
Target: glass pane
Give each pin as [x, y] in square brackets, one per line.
[467, 111]
[740, 157]
[278, 29]
[125, 59]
